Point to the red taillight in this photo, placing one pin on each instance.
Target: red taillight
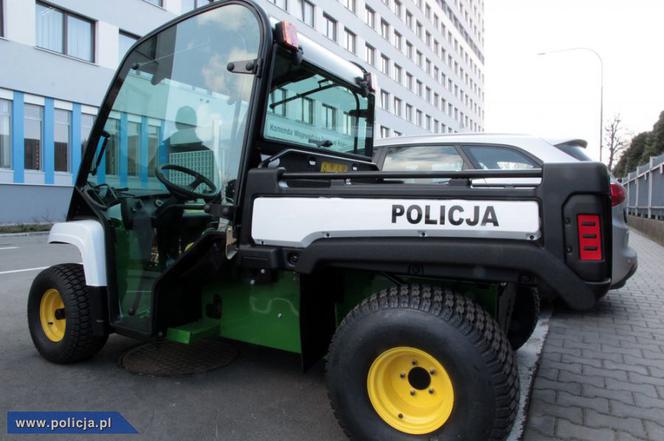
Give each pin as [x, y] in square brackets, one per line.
[287, 36]
[617, 194]
[590, 237]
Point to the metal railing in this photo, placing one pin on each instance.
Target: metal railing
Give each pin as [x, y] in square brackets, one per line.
[645, 189]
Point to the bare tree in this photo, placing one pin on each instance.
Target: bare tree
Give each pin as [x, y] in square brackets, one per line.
[614, 139]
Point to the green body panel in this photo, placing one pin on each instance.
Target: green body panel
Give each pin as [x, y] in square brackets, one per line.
[357, 286]
[265, 314]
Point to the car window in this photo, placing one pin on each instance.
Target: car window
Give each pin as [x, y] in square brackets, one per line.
[499, 158]
[423, 158]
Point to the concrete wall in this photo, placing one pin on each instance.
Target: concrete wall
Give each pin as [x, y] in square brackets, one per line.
[652, 228]
[33, 204]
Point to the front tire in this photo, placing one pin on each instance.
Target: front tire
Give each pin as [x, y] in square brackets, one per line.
[422, 363]
[59, 315]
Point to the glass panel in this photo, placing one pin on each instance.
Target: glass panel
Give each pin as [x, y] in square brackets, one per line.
[34, 117]
[177, 104]
[308, 115]
[5, 134]
[133, 141]
[79, 38]
[491, 158]
[61, 138]
[50, 28]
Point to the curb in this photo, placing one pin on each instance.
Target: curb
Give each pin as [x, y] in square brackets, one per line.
[26, 234]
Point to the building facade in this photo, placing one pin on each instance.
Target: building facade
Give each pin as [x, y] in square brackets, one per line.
[57, 58]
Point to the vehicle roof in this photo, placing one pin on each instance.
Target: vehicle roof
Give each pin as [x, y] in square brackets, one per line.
[538, 147]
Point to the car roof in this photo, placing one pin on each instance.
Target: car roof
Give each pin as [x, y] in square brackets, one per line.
[538, 147]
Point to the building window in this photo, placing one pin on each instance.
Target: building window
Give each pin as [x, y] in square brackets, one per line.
[385, 65]
[418, 30]
[125, 42]
[397, 73]
[330, 27]
[384, 100]
[397, 40]
[428, 120]
[409, 49]
[5, 133]
[33, 127]
[397, 106]
[61, 138]
[188, 5]
[384, 132]
[385, 29]
[409, 19]
[351, 5]
[418, 120]
[63, 32]
[305, 10]
[419, 88]
[409, 112]
[350, 40]
[409, 81]
[397, 8]
[307, 111]
[278, 96]
[370, 17]
[283, 4]
[419, 58]
[2, 18]
[133, 143]
[330, 115]
[370, 55]
[87, 122]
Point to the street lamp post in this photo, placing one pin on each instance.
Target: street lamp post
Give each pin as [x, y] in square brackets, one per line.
[601, 88]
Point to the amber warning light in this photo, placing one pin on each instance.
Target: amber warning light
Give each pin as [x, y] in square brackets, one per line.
[287, 35]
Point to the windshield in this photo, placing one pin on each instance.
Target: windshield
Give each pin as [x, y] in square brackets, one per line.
[312, 109]
[179, 104]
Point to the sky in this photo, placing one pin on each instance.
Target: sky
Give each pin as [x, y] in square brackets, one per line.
[558, 95]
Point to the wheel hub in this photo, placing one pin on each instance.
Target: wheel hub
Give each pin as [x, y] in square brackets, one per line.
[52, 315]
[410, 390]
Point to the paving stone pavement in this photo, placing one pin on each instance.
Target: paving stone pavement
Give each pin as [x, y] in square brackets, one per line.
[601, 376]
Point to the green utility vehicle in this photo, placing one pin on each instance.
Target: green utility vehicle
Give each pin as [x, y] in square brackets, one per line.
[228, 191]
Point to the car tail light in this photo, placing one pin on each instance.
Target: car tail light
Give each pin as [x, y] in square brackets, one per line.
[590, 237]
[617, 194]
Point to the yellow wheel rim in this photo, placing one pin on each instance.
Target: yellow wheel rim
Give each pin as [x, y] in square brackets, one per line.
[51, 315]
[410, 390]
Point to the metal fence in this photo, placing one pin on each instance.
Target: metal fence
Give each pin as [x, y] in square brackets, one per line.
[645, 189]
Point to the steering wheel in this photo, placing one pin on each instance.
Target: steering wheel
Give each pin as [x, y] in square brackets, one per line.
[189, 191]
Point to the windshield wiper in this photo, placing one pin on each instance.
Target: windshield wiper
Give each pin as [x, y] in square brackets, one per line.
[321, 142]
[101, 152]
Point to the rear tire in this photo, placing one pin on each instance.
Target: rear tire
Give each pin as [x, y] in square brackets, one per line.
[448, 329]
[59, 315]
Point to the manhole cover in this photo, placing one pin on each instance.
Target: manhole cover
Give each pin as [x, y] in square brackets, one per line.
[169, 359]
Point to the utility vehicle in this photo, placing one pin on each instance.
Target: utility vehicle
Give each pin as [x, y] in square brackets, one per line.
[228, 190]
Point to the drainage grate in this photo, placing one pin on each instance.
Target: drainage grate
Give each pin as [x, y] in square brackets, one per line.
[170, 359]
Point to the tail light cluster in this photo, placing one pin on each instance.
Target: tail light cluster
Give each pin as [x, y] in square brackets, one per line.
[590, 236]
[617, 194]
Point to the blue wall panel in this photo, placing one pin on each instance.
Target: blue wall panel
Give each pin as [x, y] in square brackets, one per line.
[18, 138]
[48, 136]
[75, 141]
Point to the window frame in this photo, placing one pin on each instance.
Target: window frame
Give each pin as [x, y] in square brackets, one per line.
[65, 27]
[122, 33]
[466, 146]
[330, 21]
[2, 18]
[9, 135]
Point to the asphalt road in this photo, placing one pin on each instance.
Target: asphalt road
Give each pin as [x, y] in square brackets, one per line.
[262, 395]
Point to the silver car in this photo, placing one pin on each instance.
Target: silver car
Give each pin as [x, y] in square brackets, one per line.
[502, 151]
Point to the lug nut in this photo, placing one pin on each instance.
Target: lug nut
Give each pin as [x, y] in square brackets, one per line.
[431, 391]
[402, 375]
[414, 362]
[432, 372]
[412, 393]
[400, 415]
